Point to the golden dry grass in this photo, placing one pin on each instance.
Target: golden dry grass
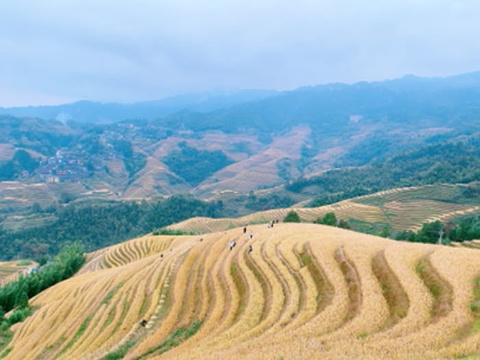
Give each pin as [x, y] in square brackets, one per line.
[305, 291]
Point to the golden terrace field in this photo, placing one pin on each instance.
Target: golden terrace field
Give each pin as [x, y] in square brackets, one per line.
[402, 209]
[10, 270]
[305, 291]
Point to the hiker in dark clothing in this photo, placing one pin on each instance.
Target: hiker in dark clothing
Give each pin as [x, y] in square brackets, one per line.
[143, 323]
[232, 245]
[250, 249]
[244, 229]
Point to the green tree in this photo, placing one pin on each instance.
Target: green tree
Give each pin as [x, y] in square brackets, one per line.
[21, 300]
[344, 224]
[328, 219]
[292, 217]
[430, 232]
[386, 232]
[407, 235]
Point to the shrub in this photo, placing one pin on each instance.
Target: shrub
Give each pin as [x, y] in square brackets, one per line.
[19, 316]
[328, 219]
[292, 217]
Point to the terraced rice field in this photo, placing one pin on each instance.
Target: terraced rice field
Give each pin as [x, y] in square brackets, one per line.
[343, 210]
[402, 209]
[10, 270]
[304, 291]
[473, 244]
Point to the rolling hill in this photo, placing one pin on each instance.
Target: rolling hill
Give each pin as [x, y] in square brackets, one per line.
[303, 291]
[401, 209]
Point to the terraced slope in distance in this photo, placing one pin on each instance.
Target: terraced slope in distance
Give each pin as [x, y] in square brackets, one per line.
[303, 290]
[11, 270]
[402, 209]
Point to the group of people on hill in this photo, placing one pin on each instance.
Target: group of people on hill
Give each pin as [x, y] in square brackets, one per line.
[272, 222]
[233, 243]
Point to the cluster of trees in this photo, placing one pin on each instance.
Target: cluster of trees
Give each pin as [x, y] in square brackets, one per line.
[133, 161]
[292, 217]
[330, 219]
[268, 201]
[441, 163]
[466, 228]
[15, 295]
[103, 224]
[195, 165]
[21, 161]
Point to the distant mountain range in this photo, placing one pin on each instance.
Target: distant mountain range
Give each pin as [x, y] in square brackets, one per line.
[217, 144]
[103, 113]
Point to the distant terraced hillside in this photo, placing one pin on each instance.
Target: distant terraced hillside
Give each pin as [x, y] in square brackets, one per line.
[304, 291]
[473, 244]
[10, 270]
[403, 209]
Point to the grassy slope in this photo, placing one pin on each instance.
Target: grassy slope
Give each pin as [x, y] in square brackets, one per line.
[304, 290]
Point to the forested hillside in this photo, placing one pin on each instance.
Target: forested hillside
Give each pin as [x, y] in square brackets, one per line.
[44, 229]
[451, 162]
[254, 141]
[100, 225]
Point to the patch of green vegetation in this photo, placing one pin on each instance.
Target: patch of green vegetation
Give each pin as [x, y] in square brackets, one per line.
[362, 335]
[267, 201]
[366, 227]
[125, 219]
[291, 217]
[143, 308]
[16, 294]
[173, 341]
[112, 292]
[287, 168]
[111, 316]
[195, 165]
[233, 269]
[172, 232]
[5, 337]
[56, 344]
[126, 306]
[305, 259]
[120, 352]
[19, 315]
[22, 161]
[81, 330]
[450, 162]
[24, 263]
[475, 306]
[6, 334]
[6, 352]
[328, 219]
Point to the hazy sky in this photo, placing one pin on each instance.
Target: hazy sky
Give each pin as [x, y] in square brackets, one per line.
[56, 51]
